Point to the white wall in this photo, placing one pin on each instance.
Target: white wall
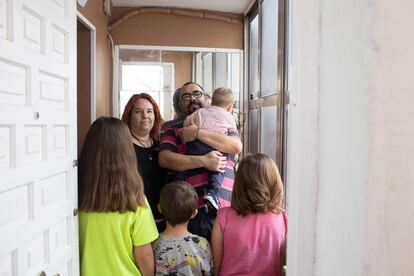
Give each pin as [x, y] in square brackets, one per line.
[389, 247]
[351, 193]
[302, 175]
[343, 138]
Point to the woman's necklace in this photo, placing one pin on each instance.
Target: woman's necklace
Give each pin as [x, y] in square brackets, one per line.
[144, 144]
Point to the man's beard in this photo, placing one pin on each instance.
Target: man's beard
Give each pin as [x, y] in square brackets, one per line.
[193, 107]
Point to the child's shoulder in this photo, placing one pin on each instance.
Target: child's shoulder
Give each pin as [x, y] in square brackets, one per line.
[198, 242]
[187, 241]
[163, 242]
[226, 210]
[195, 238]
[226, 214]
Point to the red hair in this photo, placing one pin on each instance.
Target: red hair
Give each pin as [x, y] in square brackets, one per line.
[126, 116]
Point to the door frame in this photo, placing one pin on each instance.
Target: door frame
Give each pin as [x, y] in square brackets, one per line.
[92, 29]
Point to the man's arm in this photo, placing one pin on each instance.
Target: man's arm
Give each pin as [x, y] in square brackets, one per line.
[213, 161]
[221, 142]
[218, 141]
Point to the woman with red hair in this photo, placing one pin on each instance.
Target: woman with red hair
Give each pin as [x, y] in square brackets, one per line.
[143, 118]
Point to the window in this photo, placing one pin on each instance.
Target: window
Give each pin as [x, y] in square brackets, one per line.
[160, 71]
[266, 79]
[144, 78]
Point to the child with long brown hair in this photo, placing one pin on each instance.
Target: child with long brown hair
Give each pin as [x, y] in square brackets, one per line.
[116, 226]
[249, 237]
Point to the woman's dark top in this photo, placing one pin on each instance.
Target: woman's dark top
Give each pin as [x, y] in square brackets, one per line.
[152, 175]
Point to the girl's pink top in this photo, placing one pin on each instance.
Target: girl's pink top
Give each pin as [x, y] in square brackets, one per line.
[251, 244]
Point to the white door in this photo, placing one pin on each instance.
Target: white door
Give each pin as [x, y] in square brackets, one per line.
[38, 190]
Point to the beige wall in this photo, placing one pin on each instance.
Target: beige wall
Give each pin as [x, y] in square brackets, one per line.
[93, 11]
[182, 66]
[177, 30]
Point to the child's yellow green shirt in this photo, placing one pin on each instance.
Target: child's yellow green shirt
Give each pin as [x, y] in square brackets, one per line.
[107, 241]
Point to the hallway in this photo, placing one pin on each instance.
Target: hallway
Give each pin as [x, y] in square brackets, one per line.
[323, 87]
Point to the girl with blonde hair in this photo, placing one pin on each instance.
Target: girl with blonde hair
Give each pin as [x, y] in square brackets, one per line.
[249, 237]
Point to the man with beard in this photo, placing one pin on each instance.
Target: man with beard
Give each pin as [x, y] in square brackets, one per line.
[172, 148]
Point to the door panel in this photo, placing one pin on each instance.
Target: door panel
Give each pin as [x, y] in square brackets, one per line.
[253, 131]
[13, 82]
[38, 189]
[269, 135]
[269, 46]
[266, 78]
[254, 57]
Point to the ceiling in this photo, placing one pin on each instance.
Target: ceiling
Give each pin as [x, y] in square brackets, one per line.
[234, 6]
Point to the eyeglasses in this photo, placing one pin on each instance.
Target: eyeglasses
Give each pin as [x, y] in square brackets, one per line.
[187, 96]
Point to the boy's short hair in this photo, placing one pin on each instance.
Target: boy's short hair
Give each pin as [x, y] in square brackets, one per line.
[178, 201]
[222, 97]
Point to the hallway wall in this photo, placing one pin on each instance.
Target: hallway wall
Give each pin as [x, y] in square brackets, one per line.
[389, 55]
[351, 163]
[93, 11]
[177, 30]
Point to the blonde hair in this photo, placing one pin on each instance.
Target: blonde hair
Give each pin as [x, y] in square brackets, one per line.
[222, 97]
[258, 187]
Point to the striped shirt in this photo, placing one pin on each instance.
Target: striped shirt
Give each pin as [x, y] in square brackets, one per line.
[171, 141]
